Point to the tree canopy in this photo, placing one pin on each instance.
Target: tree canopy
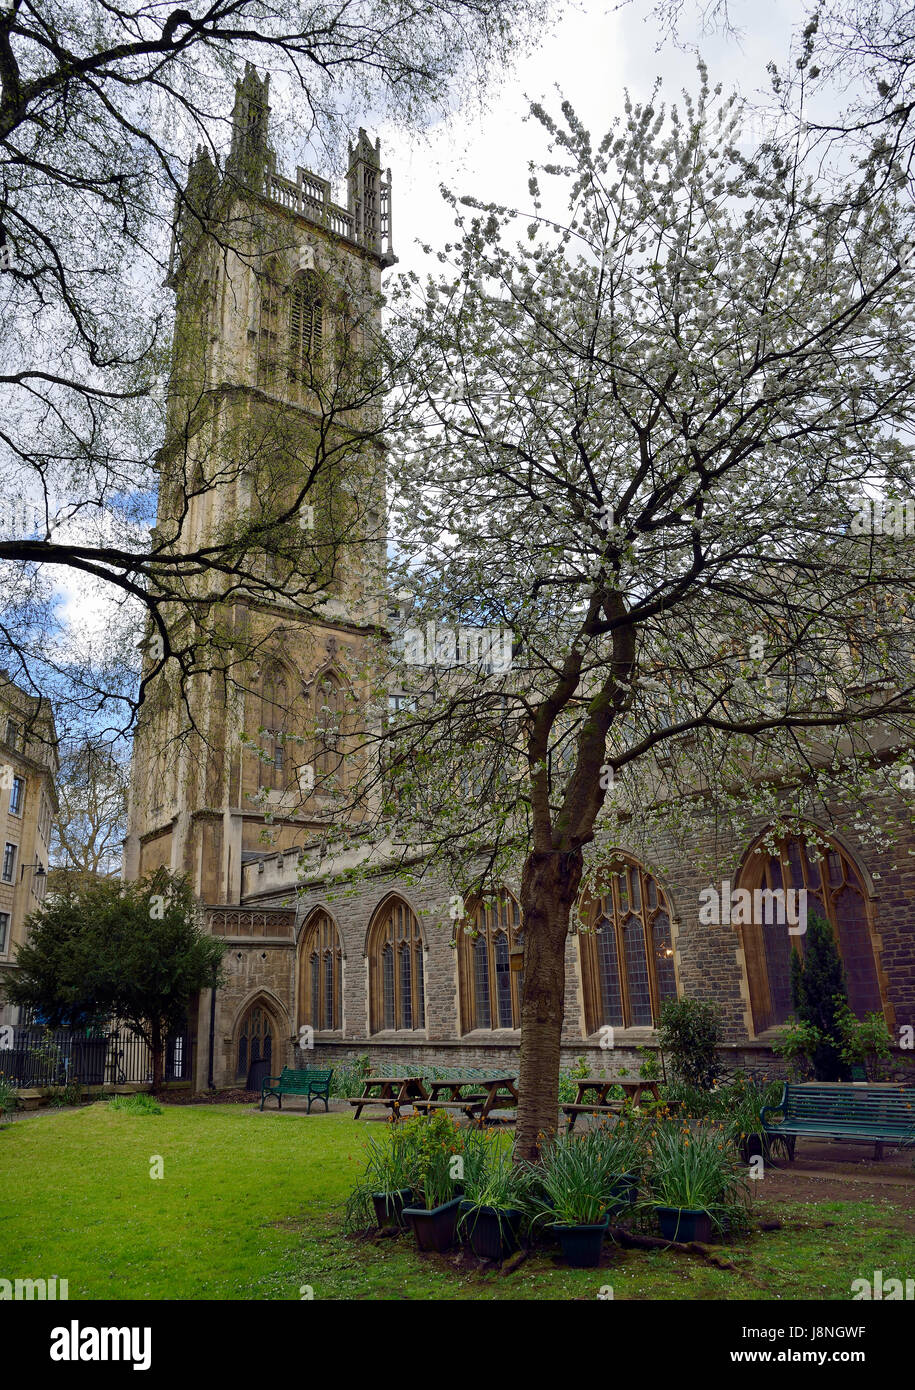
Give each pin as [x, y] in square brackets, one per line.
[106, 950]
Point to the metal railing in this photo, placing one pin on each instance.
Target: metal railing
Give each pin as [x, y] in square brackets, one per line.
[56, 1056]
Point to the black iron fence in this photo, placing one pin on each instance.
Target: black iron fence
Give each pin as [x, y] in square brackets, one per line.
[57, 1056]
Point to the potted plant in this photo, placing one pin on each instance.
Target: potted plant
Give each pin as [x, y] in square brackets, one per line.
[389, 1173]
[740, 1108]
[571, 1199]
[495, 1201]
[437, 1151]
[694, 1181]
[619, 1151]
[435, 1222]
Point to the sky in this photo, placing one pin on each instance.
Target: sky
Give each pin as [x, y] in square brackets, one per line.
[593, 54]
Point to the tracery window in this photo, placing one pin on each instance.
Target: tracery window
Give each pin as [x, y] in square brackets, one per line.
[321, 974]
[396, 982]
[490, 992]
[627, 958]
[306, 325]
[835, 891]
[274, 726]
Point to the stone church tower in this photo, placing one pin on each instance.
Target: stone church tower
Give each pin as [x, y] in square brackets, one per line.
[273, 282]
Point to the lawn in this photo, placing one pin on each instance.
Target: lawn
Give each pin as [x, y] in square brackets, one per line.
[250, 1205]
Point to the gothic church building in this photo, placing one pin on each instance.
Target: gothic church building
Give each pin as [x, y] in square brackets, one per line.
[379, 970]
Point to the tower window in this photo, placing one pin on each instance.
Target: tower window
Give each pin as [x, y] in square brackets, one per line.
[306, 324]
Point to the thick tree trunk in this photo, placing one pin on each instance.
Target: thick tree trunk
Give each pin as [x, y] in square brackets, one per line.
[549, 887]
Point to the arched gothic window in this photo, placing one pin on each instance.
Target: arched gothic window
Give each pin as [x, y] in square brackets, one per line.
[396, 983]
[490, 992]
[321, 974]
[834, 891]
[627, 958]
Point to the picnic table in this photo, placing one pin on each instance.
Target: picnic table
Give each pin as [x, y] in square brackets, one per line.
[490, 1090]
[390, 1091]
[593, 1095]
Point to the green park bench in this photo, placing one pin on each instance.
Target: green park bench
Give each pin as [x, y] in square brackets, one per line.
[313, 1083]
[880, 1113]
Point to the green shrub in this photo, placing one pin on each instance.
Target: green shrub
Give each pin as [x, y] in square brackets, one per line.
[650, 1064]
[138, 1104]
[349, 1079]
[866, 1042]
[819, 994]
[568, 1081]
[691, 1100]
[689, 1033]
[9, 1098]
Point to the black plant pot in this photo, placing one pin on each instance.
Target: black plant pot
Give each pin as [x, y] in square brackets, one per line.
[582, 1245]
[389, 1206]
[492, 1232]
[684, 1223]
[435, 1229]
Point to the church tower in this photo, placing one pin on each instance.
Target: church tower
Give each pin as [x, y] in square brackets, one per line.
[277, 298]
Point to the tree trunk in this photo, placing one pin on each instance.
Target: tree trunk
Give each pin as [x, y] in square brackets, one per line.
[549, 887]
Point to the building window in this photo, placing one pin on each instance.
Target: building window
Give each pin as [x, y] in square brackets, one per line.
[17, 796]
[39, 881]
[268, 345]
[396, 986]
[627, 958]
[834, 891]
[4, 931]
[9, 863]
[255, 1041]
[329, 712]
[306, 326]
[321, 974]
[490, 991]
[13, 733]
[44, 820]
[274, 724]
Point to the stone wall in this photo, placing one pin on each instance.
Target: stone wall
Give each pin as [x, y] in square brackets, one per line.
[708, 960]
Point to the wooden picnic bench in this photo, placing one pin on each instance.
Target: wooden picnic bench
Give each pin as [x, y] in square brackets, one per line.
[880, 1112]
[600, 1103]
[311, 1082]
[390, 1091]
[490, 1090]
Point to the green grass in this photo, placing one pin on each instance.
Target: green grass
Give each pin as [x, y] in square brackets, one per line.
[250, 1206]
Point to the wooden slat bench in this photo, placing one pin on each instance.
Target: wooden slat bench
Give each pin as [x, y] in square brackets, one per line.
[879, 1113]
[311, 1082]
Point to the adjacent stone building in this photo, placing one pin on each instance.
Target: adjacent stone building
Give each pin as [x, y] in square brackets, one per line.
[28, 805]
